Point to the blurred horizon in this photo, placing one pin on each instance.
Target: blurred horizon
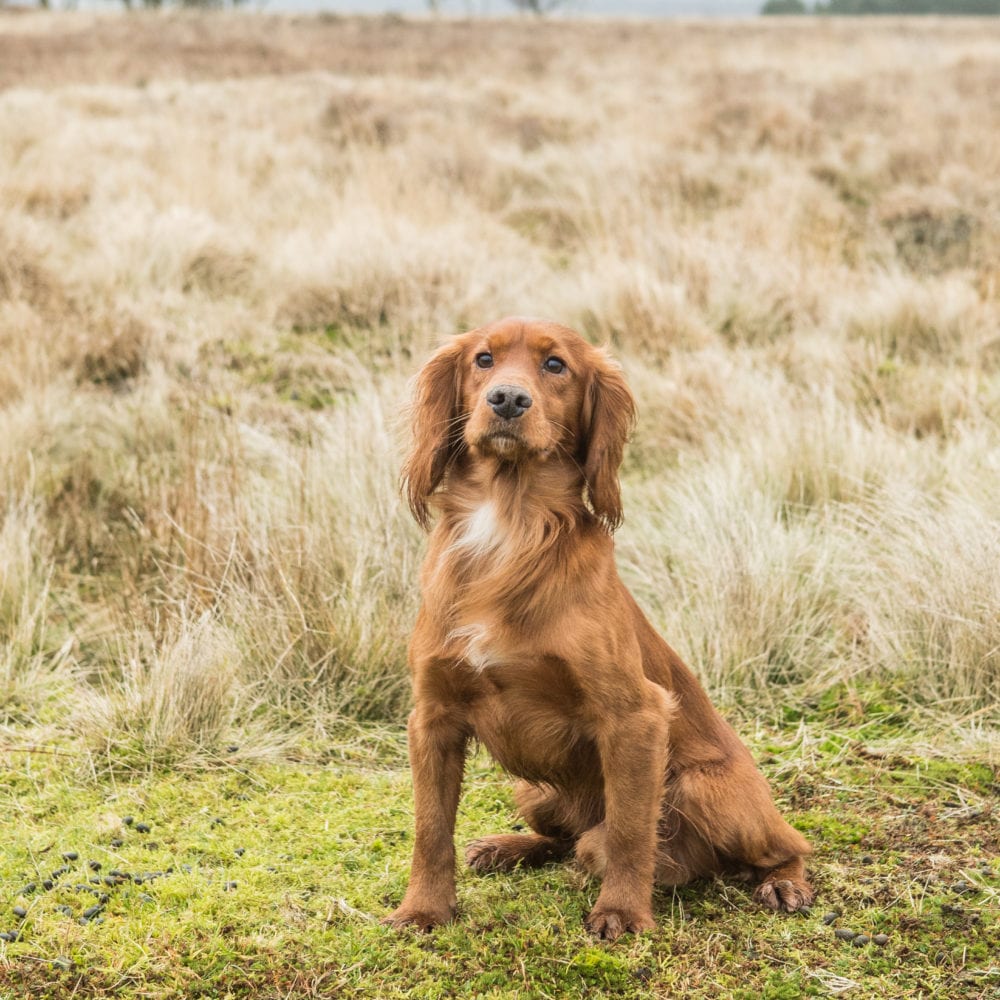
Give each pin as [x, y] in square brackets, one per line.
[626, 9]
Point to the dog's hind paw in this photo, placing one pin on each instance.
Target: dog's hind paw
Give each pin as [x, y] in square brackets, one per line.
[785, 894]
[503, 852]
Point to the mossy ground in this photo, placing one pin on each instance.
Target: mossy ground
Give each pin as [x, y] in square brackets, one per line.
[274, 879]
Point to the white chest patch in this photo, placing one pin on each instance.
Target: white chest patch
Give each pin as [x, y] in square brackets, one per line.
[482, 531]
[474, 640]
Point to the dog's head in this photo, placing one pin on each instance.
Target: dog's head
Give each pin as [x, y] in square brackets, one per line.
[520, 391]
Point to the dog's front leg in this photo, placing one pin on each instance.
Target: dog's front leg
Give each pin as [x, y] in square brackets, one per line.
[437, 757]
[633, 750]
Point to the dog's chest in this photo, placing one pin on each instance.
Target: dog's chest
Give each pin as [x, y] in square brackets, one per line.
[479, 533]
[527, 711]
[477, 646]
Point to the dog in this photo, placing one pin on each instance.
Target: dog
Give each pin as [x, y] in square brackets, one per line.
[528, 642]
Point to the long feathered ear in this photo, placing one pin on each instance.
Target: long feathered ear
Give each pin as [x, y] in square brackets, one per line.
[437, 433]
[608, 418]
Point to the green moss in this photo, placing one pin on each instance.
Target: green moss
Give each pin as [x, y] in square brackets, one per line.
[274, 879]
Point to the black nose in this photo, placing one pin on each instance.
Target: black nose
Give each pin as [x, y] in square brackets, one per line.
[508, 401]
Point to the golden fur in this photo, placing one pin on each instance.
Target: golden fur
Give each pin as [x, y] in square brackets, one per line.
[528, 641]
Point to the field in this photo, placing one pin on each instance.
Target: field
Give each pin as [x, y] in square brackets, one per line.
[227, 242]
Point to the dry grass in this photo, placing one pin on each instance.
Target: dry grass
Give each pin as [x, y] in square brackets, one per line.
[227, 241]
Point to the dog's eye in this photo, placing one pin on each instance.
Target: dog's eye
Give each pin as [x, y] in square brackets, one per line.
[484, 360]
[554, 365]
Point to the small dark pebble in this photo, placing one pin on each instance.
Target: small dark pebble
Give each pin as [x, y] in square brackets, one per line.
[860, 940]
[152, 846]
[30, 887]
[60, 871]
[229, 886]
[47, 884]
[94, 880]
[145, 897]
[962, 887]
[142, 827]
[643, 974]
[867, 859]
[845, 934]
[62, 963]
[91, 911]
[70, 856]
[108, 880]
[80, 887]
[94, 866]
[9, 936]
[270, 868]
[805, 910]
[240, 851]
[115, 873]
[65, 911]
[20, 911]
[217, 821]
[881, 939]
[103, 898]
[829, 918]
[138, 879]
[128, 820]
[186, 868]
[232, 748]
[116, 843]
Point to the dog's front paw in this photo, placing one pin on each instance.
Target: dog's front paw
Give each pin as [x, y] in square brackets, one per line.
[609, 923]
[786, 894]
[420, 917]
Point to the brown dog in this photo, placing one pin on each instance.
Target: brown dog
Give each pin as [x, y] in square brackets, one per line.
[528, 641]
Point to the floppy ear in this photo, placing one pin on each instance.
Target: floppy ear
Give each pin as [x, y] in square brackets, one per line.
[608, 417]
[437, 431]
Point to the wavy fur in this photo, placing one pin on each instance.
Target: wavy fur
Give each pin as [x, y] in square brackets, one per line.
[528, 642]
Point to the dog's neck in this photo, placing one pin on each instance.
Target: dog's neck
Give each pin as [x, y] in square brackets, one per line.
[530, 502]
[502, 538]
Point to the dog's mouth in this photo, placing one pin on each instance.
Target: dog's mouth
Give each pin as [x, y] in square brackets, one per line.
[505, 440]
[502, 440]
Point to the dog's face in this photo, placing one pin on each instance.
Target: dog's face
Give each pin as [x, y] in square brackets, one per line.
[521, 391]
[521, 388]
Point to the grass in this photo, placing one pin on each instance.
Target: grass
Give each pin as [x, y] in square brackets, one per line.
[268, 881]
[226, 243]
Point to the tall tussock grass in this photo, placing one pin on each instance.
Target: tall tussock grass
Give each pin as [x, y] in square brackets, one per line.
[214, 290]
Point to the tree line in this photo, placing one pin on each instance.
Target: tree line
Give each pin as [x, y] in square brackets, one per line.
[857, 7]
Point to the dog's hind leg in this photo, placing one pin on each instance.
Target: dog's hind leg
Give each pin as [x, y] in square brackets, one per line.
[557, 820]
[731, 809]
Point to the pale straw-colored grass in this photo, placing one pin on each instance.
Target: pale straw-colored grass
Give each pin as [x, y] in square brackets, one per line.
[217, 276]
